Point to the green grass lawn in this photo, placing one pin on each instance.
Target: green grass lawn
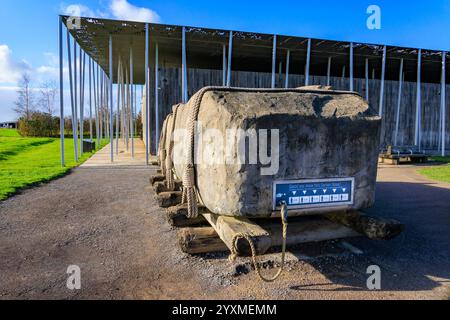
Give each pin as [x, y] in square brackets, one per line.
[440, 173]
[27, 161]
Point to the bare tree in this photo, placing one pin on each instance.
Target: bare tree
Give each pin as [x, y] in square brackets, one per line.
[47, 98]
[25, 100]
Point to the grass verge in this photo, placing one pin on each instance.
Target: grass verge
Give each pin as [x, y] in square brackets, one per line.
[28, 161]
[439, 173]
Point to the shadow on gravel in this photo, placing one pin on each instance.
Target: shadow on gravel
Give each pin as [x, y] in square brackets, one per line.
[417, 260]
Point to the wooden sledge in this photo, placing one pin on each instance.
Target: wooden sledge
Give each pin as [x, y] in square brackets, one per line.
[267, 233]
[195, 237]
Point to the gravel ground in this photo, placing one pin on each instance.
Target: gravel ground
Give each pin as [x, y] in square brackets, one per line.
[105, 220]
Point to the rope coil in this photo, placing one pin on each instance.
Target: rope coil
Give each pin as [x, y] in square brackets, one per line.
[234, 253]
[170, 181]
[162, 148]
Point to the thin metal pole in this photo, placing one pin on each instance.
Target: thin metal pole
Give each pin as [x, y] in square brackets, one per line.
[274, 60]
[399, 101]
[125, 110]
[75, 95]
[351, 67]
[418, 101]
[383, 71]
[224, 65]
[91, 136]
[367, 79]
[443, 104]
[118, 87]
[111, 76]
[147, 134]
[308, 60]
[82, 78]
[97, 111]
[122, 110]
[288, 61]
[230, 53]
[61, 91]
[95, 83]
[157, 95]
[132, 100]
[343, 71]
[72, 104]
[100, 101]
[329, 71]
[184, 67]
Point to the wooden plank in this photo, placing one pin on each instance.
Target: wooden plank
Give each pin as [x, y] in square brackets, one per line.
[156, 178]
[308, 229]
[300, 230]
[200, 240]
[160, 186]
[169, 199]
[375, 228]
[228, 227]
[177, 216]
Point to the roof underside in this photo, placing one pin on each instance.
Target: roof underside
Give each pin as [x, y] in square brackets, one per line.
[251, 51]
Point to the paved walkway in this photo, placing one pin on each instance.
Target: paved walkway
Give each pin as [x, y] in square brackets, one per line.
[122, 156]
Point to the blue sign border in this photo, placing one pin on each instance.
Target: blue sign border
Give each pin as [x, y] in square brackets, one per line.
[312, 181]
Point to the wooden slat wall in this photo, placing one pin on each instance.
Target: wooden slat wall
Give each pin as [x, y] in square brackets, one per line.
[170, 94]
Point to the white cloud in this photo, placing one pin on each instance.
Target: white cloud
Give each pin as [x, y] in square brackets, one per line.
[117, 9]
[78, 10]
[123, 10]
[11, 70]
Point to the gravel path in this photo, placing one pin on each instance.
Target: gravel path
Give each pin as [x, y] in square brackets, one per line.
[105, 220]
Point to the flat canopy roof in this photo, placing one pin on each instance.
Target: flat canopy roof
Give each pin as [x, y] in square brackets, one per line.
[251, 51]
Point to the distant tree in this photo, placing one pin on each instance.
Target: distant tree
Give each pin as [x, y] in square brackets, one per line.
[139, 127]
[24, 105]
[47, 97]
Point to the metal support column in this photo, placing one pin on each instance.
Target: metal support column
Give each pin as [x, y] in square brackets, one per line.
[111, 77]
[230, 53]
[351, 67]
[367, 79]
[288, 61]
[75, 93]
[91, 135]
[308, 61]
[61, 90]
[119, 88]
[157, 95]
[82, 78]
[184, 67]
[383, 72]
[132, 100]
[417, 126]
[72, 103]
[147, 113]
[443, 92]
[274, 60]
[399, 102]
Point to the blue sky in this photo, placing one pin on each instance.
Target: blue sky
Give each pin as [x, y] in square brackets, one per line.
[28, 29]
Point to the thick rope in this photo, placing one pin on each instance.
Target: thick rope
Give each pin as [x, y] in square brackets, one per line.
[189, 194]
[234, 253]
[162, 149]
[169, 156]
[189, 185]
